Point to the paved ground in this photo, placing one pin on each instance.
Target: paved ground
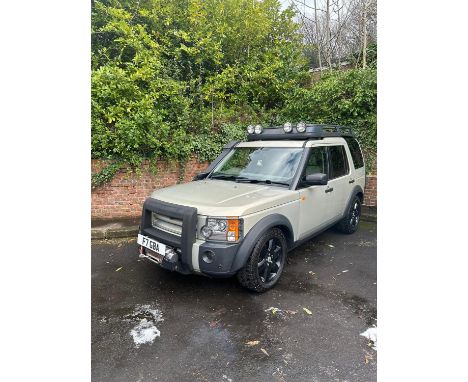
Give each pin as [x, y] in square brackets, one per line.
[205, 324]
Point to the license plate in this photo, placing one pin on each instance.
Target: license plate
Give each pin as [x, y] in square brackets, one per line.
[151, 244]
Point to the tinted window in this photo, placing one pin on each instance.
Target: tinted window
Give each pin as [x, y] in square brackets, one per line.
[356, 153]
[338, 162]
[317, 162]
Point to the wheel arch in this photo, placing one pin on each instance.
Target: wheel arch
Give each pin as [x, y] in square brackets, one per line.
[356, 191]
[252, 237]
[360, 195]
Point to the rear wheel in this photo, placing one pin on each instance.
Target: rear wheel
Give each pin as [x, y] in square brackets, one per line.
[349, 224]
[266, 263]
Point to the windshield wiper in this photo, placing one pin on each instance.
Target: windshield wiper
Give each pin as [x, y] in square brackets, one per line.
[227, 177]
[247, 180]
[267, 181]
[275, 182]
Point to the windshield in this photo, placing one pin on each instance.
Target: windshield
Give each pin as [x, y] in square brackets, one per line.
[273, 165]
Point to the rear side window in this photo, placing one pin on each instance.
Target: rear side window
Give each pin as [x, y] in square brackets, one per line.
[356, 153]
[338, 163]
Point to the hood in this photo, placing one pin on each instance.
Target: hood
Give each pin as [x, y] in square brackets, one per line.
[225, 198]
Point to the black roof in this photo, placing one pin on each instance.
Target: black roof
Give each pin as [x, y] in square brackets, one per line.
[313, 131]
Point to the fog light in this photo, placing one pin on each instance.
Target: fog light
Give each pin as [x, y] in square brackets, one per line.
[250, 129]
[208, 257]
[171, 255]
[258, 129]
[301, 127]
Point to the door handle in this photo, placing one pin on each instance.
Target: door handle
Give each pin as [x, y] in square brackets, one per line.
[351, 181]
[329, 189]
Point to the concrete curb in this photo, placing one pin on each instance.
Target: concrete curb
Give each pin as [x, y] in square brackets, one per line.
[369, 217]
[113, 233]
[369, 213]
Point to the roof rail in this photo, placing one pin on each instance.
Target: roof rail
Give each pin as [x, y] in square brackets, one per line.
[311, 131]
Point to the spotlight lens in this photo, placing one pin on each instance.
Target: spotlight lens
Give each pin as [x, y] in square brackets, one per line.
[258, 129]
[287, 127]
[250, 129]
[301, 127]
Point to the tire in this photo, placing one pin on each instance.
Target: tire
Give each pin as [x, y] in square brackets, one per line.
[266, 263]
[349, 224]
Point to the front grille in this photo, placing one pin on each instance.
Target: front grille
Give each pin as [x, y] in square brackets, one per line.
[167, 224]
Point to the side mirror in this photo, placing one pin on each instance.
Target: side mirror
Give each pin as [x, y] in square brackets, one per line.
[200, 176]
[318, 179]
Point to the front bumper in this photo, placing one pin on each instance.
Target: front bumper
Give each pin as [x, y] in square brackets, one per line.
[193, 256]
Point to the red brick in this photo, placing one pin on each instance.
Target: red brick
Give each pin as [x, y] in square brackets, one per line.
[125, 194]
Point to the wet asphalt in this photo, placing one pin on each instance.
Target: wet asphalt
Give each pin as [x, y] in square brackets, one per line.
[210, 327]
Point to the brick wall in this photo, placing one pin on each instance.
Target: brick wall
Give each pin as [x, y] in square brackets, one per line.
[124, 195]
[370, 192]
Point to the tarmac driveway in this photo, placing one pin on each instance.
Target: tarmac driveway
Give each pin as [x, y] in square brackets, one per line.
[149, 324]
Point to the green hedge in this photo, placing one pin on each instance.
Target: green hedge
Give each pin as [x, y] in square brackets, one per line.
[173, 78]
[347, 98]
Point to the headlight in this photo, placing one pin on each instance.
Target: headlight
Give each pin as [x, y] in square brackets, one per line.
[258, 129]
[222, 229]
[250, 129]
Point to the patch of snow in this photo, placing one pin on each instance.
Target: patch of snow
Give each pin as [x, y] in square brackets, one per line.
[147, 310]
[144, 332]
[364, 243]
[371, 335]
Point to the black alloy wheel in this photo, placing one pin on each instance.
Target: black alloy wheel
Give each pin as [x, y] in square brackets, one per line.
[349, 224]
[266, 262]
[355, 213]
[270, 260]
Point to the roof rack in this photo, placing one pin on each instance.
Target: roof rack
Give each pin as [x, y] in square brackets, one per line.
[312, 131]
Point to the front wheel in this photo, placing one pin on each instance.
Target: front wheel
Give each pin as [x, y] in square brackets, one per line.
[266, 263]
[349, 224]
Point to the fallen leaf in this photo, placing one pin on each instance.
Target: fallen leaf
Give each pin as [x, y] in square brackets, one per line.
[118, 269]
[331, 245]
[252, 343]
[291, 311]
[273, 310]
[346, 270]
[307, 311]
[265, 352]
[311, 273]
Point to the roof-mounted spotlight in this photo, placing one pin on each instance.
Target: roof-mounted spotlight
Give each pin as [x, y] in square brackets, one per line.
[250, 129]
[301, 127]
[258, 129]
[287, 127]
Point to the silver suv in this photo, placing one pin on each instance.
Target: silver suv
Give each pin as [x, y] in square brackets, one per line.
[258, 200]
